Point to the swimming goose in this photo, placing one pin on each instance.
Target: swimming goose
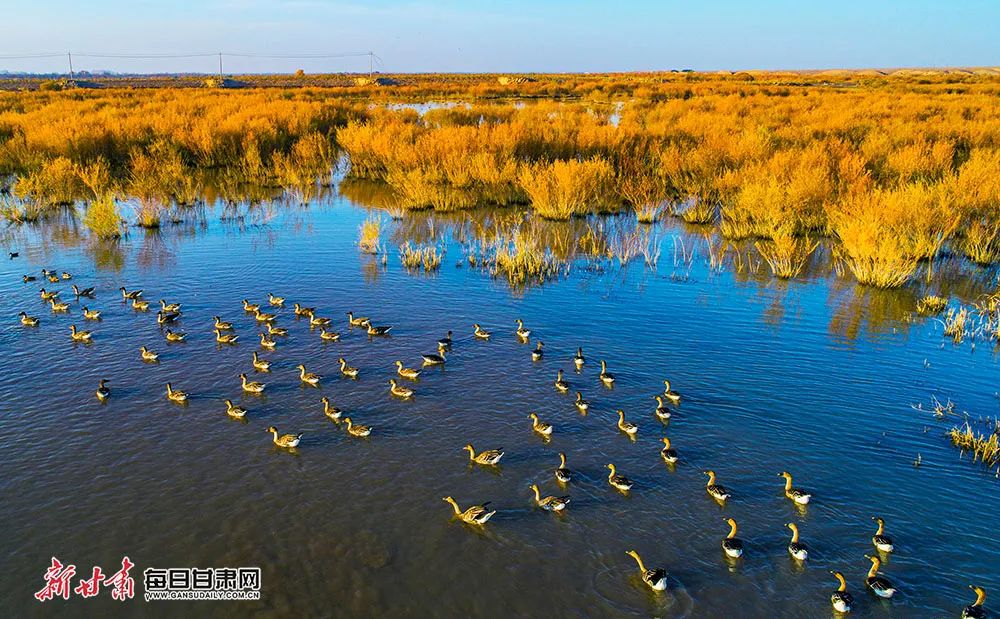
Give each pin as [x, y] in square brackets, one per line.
[536, 355]
[28, 321]
[175, 395]
[606, 377]
[250, 308]
[521, 331]
[267, 342]
[796, 549]
[318, 321]
[477, 514]
[619, 481]
[399, 390]
[405, 372]
[275, 301]
[53, 278]
[655, 578]
[328, 336]
[58, 306]
[434, 359]
[355, 429]
[489, 457]
[717, 492]
[264, 317]
[147, 354]
[975, 610]
[47, 295]
[670, 394]
[262, 365]
[347, 370]
[28, 278]
[662, 412]
[139, 305]
[284, 440]
[381, 330]
[545, 429]
[308, 377]
[578, 359]
[79, 336]
[163, 318]
[882, 541]
[276, 331]
[225, 338]
[174, 336]
[170, 308]
[841, 600]
[86, 292]
[103, 392]
[303, 311]
[222, 325]
[563, 474]
[445, 341]
[581, 404]
[66, 275]
[130, 294]
[796, 495]
[550, 503]
[669, 455]
[479, 333]
[360, 321]
[560, 383]
[879, 585]
[234, 411]
[732, 545]
[330, 410]
[626, 426]
[89, 314]
[251, 386]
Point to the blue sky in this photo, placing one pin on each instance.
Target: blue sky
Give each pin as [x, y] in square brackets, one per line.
[473, 35]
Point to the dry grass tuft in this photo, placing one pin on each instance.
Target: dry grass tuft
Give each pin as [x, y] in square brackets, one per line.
[984, 447]
[369, 235]
[931, 305]
[564, 189]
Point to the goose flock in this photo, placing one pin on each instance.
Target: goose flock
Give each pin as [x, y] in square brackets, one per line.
[476, 515]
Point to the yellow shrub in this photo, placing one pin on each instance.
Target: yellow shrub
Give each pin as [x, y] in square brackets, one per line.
[563, 189]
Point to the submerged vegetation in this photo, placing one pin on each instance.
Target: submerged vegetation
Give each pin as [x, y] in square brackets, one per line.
[891, 172]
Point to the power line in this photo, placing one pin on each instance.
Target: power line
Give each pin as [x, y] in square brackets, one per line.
[146, 56]
[20, 56]
[373, 58]
[186, 55]
[296, 56]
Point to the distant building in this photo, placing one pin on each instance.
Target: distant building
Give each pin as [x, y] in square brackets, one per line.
[374, 81]
[507, 80]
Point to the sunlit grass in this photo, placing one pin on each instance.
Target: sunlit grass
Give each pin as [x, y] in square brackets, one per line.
[563, 189]
[984, 447]
[102, 218]
[931, 305]
[369, 235]
[786, 254]
[429, 257]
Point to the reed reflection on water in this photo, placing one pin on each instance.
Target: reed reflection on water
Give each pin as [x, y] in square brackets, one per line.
[814, 375]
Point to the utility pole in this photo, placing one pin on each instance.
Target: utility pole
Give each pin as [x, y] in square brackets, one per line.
[220, 66]
[371, 63]
[69, 55]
